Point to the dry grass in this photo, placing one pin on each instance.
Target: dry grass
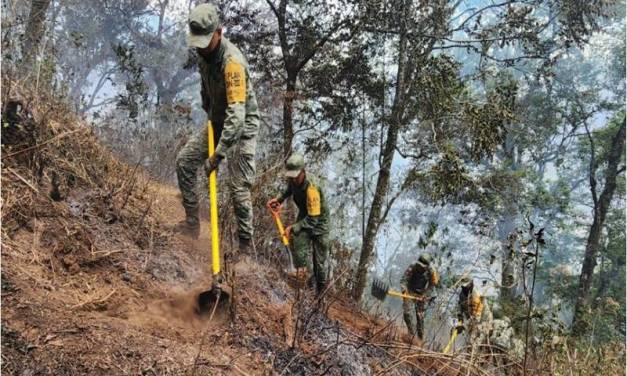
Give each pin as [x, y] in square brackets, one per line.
[94, 283]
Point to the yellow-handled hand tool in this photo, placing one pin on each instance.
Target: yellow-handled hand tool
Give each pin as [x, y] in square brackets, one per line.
[275, 211]
[380, 290]
[220, 292]
[453, 337]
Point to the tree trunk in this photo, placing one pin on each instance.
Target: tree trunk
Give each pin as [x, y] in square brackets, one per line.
[604, 282]
[288, 112]
[592, 246]
[507, 233]
[383, 180]
[34, 30]
[374, 218]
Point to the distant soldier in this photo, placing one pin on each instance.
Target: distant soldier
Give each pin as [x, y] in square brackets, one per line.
[418, 280]
[473, 314]
[311, 229]
[229, 100]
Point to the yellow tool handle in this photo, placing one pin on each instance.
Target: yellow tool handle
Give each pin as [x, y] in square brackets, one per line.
[451, 341]
[213, 207]
[279, 226]
[407, 296]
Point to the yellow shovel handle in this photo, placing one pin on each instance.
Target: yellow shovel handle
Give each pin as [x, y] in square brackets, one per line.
[406, 296]
[451, 341]
[279, 226]
[213, 207]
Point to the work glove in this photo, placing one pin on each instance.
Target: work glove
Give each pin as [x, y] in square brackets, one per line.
[296, 227]
[212, 163]
[293, 229]
[274, 204]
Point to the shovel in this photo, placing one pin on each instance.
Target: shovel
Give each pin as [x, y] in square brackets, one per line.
[380, 290]
[220, 292]
[276, 214]
[452, 340]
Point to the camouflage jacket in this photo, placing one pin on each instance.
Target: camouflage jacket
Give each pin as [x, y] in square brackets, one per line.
[313, 213]
[419, 279]
[470, 306]
[228, 96]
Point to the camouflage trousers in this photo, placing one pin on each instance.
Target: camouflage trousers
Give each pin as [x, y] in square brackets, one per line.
[413, 315]
[302, 244]
[240, 160]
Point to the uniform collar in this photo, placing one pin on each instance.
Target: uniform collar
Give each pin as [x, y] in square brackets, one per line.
[304, 185]
[216, 55]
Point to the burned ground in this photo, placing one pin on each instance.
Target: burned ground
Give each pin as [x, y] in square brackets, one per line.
[93, 282]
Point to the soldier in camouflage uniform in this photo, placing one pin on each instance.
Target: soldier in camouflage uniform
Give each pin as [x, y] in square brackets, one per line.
[419, 279]
[229, 100]
[311, 229]
[473, 316]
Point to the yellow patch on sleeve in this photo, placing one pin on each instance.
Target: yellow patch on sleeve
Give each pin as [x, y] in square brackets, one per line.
[476, 305]
[435, 277]
[235, 80]
[313, 201]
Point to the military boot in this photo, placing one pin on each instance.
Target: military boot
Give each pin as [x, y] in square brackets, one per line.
[246, 247]
[190, 226]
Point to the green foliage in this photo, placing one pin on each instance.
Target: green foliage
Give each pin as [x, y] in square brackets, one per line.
[136, 93]
[488, 122]
[602, 139]
[425, 238]
[446, 179]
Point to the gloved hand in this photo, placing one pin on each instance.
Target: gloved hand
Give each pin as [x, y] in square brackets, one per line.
[459, 327]
[212, 163]
[296, 227]
[274, 204]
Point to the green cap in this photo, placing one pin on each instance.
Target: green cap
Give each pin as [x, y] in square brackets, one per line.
[294, 165]
[424, 259]
[203, 21]
[466, 282]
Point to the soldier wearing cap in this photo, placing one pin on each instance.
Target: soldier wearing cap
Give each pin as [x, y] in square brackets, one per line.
[311, 230]
[418, 280]
[473, 315]
[229, 100]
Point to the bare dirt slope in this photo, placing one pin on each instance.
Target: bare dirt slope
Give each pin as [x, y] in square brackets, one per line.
[94, 283]
[127, 310]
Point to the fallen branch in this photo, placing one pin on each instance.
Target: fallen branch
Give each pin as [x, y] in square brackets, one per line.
[44, 143]
[30, 185]
[97, 301]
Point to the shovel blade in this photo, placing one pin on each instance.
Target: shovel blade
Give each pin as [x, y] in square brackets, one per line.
[290, 262]
[207, 300]
[379, 289]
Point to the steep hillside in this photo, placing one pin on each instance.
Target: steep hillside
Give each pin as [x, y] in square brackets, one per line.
[94, 283]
